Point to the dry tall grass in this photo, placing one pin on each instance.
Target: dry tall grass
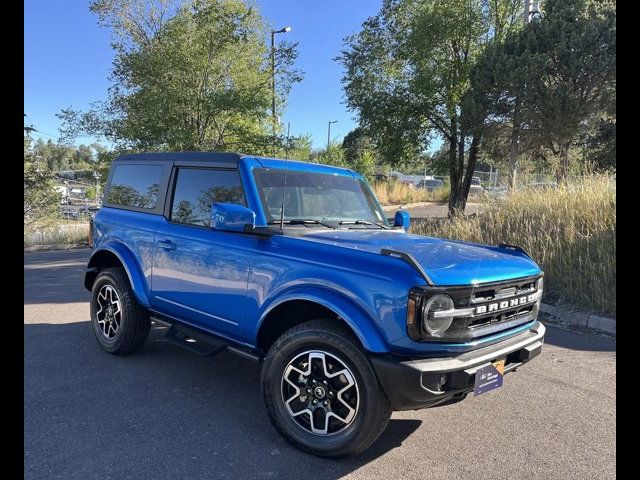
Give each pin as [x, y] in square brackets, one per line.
[397, 193]
[62, 233]
[569, 231]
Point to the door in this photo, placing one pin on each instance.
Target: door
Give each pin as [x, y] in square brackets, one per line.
[199, 274]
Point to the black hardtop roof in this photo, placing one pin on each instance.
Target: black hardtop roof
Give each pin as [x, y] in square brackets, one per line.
[214, 157]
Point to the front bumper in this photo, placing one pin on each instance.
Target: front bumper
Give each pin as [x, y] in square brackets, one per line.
[414, 384]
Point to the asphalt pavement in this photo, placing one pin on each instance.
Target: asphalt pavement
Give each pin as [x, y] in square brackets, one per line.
[165, 413]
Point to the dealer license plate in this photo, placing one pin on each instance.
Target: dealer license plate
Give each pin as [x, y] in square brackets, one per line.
[489, 378]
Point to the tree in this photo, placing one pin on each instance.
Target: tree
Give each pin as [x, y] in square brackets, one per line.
[334, 155]
[355, 143]
[298, 148]
[364, 163]
[545, 82]
[188, 76]
[41, 201]
[572, 74]
[407, 77]
[497, 92]
[598, 142]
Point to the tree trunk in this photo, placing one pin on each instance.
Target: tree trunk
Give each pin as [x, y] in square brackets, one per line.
[513, 150]
[564, 163]
[463, 193]
[454, 173]
[456, 205]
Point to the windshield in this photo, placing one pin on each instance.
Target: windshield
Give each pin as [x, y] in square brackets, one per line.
[318, 197]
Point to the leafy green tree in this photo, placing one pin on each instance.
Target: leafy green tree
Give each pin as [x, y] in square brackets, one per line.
[572, 71]
[297, 148]
[355, 143]
[407, 78]
[188, 76]
[41, 201]
[365, 164]
[543, 83]
[598, 142]
[334, 155]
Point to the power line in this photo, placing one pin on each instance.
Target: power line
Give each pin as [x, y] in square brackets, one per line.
[45, 134]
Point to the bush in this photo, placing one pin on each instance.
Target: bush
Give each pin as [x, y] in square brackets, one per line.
[570, 231]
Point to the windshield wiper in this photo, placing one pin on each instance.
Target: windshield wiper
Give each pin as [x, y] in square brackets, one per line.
[302, 221]
[361, 222]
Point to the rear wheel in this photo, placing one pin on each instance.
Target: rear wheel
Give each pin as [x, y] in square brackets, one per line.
[321, 391]
[119, 323]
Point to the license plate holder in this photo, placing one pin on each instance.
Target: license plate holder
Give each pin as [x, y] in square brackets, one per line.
[489, 377]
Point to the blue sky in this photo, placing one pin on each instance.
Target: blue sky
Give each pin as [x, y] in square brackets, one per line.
[68, 59]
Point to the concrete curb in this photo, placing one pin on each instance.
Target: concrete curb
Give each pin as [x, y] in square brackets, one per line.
[569, 317]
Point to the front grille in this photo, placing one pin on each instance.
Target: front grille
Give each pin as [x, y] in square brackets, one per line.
[500, 291]
[488, 309]
[481, 321]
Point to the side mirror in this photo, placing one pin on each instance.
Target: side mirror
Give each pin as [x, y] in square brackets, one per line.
[232, 218]
[402, 219]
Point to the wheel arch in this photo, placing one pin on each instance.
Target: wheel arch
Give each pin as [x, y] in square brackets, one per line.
[117, 255]
[301, 305]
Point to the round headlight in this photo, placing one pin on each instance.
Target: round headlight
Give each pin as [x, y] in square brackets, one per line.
[437, 324]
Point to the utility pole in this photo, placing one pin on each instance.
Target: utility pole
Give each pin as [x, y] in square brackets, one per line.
[329, 134]
[273, 74]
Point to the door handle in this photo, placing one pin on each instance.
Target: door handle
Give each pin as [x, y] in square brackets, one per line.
[166, 245]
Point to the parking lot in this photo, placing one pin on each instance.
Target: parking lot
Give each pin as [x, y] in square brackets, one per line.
[167, 413]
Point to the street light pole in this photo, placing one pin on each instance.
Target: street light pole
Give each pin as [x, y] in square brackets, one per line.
[329, 133]
[273, 73]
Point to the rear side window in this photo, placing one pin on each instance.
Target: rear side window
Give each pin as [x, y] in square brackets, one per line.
[196, 189]
[135, 186]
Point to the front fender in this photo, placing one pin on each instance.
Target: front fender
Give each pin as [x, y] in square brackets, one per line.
[130, 265]
[362, 325]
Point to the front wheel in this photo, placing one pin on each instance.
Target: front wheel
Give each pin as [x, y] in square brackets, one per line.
[321, 391]
[120, 324]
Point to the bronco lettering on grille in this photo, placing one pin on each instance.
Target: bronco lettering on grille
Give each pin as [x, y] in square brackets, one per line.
[499, 306]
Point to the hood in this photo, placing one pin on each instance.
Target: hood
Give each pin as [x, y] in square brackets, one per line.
[447, 262]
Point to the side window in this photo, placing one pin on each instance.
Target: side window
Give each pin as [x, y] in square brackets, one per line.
[196, 189]
[135, 186]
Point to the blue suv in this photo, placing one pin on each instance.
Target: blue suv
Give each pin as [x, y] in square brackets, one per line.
[296, 265]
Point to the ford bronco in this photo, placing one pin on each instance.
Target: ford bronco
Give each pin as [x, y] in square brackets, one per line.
[296, 265]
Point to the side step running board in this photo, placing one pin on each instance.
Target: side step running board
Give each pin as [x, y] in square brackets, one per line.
[193, 340]
[200, 342]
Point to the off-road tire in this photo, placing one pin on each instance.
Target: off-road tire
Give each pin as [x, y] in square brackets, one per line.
[374, 409]
[134, 324]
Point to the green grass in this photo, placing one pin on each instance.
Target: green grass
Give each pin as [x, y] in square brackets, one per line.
[569, 231]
